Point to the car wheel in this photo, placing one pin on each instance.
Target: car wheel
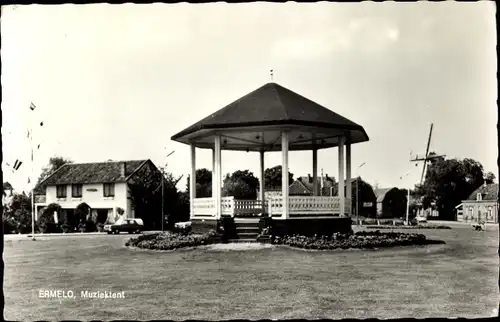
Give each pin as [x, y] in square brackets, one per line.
[109, 233]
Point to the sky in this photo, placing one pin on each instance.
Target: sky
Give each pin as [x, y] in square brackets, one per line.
[117, 81]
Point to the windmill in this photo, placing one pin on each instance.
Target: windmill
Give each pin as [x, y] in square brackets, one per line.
[428, 157]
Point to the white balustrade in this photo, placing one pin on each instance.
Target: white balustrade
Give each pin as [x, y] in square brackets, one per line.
[298, 205]
[248, 207]
[204, 207]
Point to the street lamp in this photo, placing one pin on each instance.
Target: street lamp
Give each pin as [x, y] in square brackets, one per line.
[408, 199]
[357, 191]
[163, 189]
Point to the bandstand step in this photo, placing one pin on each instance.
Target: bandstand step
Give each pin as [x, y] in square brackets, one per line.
[251, 230]
[243, 240]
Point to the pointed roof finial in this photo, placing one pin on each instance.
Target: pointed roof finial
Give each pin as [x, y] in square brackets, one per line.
[271, 72]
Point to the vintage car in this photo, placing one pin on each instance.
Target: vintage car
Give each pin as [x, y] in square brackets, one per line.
[421, 219]
[129, 225]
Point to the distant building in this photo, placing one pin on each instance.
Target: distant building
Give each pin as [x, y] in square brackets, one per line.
[304, 186]
[481, 205]
[101, 185]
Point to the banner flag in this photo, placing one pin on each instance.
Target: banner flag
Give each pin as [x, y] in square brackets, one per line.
[17, 164]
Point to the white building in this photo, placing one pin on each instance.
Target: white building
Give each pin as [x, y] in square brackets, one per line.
[104, 186]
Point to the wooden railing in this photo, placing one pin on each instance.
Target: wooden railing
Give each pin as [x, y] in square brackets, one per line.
[307, 205]
[204, 207]
[303, 205]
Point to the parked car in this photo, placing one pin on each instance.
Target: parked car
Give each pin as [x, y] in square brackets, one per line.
[421, 219]
[130, 225]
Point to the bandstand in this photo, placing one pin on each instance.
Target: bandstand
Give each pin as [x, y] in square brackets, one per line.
[273, 119]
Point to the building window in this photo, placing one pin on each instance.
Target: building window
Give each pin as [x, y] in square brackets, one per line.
[490, 213]
[109, 190]
[61, 191]
[76, 191]
[479, 197]
[471, 212]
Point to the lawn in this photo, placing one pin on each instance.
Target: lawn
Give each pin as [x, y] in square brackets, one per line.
[458, 278]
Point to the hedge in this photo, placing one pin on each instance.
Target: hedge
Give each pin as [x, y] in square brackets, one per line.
[362, 239]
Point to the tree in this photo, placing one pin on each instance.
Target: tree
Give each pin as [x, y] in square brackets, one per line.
[54, 164]
[448, 182]
[489, 178]
[46, 222]
[273, 178]
[363, 192]
[18, 213]
[241, 185]
[203, 183]
[145, 188]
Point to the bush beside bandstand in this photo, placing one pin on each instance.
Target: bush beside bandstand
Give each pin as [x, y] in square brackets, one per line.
[203, 233]
[362, 239]
[172, 240]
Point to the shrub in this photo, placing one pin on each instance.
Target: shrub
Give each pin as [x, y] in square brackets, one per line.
[10, 225]
[46, 223]
[90, 226]
[363, 239]
[410, 227]
[67, 228]
[170, 241]
[82, 212]
[82, 227]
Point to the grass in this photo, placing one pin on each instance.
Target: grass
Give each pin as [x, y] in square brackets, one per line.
[459, 278]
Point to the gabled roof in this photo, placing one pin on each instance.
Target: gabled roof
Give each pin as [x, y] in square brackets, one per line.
[304, 181]
[96, 172]
[270, 105]
[488, 191]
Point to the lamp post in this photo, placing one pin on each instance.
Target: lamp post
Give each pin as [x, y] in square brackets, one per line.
[163, 190]
[357, 191]
[407, 200]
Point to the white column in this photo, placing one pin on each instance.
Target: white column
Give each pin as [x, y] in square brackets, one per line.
[315, 172]
[348, 175]
[192, 181]
[218, 186]
[284, 173]
[214, 181]
[341, 175]
[262, 180]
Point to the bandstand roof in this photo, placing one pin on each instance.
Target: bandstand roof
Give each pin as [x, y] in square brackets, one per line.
[255, 121]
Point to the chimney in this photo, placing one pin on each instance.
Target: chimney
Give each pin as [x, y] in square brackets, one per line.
[122, 169]
[309, 178]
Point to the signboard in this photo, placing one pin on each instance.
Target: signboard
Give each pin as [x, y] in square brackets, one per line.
[367, 204]
[92, 189]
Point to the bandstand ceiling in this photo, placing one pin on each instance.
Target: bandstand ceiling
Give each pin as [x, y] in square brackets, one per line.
[255, 122]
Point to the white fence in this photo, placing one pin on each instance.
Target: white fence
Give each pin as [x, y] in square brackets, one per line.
[303, 205]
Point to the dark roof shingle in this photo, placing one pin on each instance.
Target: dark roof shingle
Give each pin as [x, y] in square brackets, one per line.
[269, 105]
[98, 172]
[488, 191]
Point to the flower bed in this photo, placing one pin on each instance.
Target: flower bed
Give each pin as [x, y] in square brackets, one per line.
[362, 239]
[170, 241]
[410, 227]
